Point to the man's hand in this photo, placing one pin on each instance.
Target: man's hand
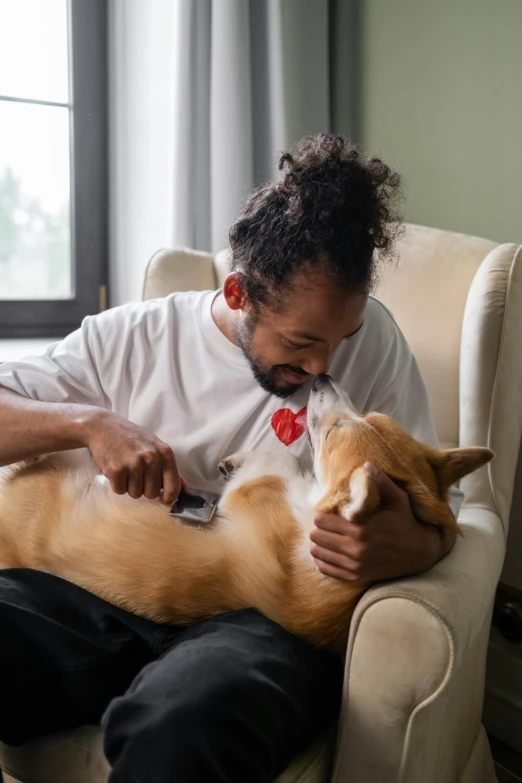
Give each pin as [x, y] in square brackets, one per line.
[387, 544]
[132, 459]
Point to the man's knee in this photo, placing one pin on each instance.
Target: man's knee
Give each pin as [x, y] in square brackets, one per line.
[188, 697]
[236, 700]
[197, 727]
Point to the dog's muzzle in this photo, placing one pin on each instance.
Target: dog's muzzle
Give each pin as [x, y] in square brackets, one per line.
[321, 382]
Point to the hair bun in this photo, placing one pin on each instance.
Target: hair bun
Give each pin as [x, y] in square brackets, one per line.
[333, 210]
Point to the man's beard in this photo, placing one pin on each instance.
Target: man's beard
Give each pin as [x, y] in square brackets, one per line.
[267, 379]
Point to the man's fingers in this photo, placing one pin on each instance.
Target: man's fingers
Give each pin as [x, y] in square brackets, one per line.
[118, 482]
[353, 548]
[334, 559]
[350, 530]
[332, 541]
[171, 481]
[333, 523]
[152, 482]
[339, 573]
[154, 476]
[135, 484]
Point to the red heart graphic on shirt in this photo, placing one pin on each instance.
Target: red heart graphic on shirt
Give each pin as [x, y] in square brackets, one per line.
[288, 426]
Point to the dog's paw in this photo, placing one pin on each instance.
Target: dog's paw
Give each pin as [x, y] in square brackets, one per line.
[228, 465]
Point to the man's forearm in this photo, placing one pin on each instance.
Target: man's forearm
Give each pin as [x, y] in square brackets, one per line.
[441, 541]
[30, 428]
[435, 542]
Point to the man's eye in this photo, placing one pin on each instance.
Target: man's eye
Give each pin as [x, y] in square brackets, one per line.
[291, 344]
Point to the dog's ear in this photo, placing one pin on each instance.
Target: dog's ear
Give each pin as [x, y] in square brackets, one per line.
[333, 502]
[358, 496]
[450, 465]
[364, 494]
[429, 508]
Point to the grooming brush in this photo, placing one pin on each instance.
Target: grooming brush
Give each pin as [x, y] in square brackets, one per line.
[195, 507]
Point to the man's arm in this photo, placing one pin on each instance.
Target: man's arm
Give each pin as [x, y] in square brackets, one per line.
[31, 428]
[64, 399]
[134, 461]
[387, 544]
[390, 543]
[47, 401]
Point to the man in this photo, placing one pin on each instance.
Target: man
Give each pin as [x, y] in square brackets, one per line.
[162, 390]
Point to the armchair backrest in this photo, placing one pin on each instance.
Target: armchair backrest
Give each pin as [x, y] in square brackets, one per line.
[427, 291]
[458, 300]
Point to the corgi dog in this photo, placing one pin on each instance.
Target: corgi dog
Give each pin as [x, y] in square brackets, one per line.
[60, 516]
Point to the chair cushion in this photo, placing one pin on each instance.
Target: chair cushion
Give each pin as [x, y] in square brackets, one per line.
[71, 757]
[77, 757]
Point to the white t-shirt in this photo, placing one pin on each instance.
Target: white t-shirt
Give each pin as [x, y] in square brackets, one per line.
[165, 365]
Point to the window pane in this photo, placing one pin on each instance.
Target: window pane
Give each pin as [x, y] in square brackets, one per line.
[35, 254]
[33, 49]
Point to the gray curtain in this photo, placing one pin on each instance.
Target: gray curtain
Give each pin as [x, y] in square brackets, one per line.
[203, 96]
[250, 78]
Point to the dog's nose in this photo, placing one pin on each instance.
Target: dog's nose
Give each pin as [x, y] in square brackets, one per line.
[320, 382]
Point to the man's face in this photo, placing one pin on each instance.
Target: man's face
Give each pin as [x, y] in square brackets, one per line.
[286, 347]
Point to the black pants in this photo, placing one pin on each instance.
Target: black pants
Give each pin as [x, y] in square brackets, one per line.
[235, 698]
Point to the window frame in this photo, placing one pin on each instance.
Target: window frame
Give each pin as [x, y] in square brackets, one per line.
[88, 86]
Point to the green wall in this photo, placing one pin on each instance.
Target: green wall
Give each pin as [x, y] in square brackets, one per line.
[441, 100]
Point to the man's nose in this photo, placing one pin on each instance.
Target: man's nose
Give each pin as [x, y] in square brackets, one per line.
[318, 363]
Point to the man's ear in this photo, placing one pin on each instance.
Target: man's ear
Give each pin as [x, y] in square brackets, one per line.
[359, 496]
[233, 291]
[450, 465]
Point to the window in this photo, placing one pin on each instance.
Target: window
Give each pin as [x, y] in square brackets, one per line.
[53, 164]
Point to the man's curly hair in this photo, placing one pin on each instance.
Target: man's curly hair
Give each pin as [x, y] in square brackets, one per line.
[333, 213]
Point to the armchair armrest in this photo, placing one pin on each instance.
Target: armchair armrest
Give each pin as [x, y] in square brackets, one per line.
[415, 668]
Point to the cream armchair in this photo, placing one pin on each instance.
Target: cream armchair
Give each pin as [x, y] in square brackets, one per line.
[415, 663]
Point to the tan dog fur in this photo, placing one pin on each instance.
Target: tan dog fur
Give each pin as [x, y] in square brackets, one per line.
[58, 515]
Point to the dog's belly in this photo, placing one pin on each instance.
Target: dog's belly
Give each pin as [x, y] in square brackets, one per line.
[134, 555]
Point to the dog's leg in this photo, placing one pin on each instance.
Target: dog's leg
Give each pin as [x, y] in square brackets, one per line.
[229, 465]
[247, 465]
